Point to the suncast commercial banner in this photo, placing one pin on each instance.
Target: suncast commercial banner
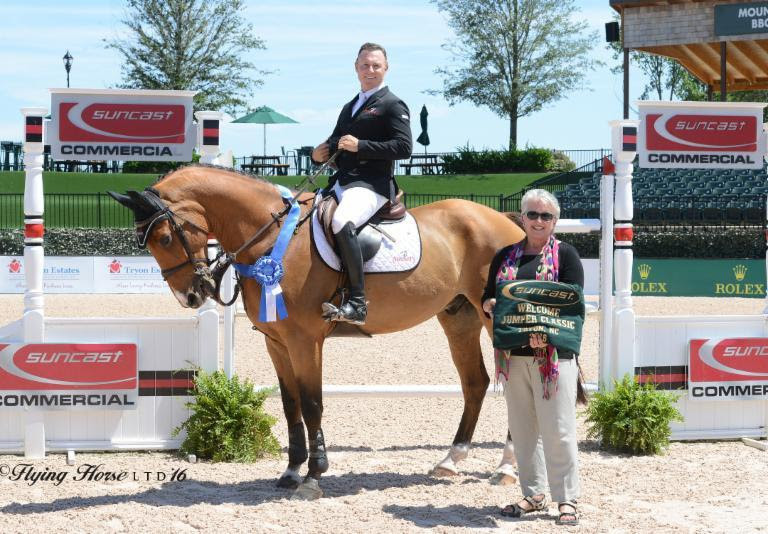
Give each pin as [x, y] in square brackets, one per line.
[87, 274]
[48, 376]
[728, 369]
[122, 125]
[701, 135]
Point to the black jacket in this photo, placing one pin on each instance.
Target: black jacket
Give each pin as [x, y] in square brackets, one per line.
[382, 126]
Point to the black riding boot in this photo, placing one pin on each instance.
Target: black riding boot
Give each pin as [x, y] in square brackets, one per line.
[354, 309]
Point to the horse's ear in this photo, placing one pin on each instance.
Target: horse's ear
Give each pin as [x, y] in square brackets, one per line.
[145, 204]
[136, 202]
[125, 200]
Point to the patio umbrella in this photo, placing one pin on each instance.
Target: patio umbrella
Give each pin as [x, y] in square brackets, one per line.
[265, 115]
[424, 136]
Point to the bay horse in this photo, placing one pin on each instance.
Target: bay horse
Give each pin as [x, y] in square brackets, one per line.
[459, 240]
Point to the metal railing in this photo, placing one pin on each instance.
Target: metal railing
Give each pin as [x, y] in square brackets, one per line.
[411, 200]
[301, 164]
[98, 210]
[68, 210]
[556, 183]
[298, 160]
[584, 158]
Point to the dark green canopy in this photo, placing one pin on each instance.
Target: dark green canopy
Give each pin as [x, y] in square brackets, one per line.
[265, 115]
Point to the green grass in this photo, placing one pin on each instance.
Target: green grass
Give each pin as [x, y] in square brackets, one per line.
[73, 182]
[77, 182]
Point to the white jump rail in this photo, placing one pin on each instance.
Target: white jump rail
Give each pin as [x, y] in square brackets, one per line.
[570, 226]
[658, 345]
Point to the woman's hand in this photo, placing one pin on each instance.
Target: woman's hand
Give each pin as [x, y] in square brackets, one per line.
[538, 341]
[488, 306]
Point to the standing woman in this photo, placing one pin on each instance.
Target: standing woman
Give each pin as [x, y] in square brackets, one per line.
[540, 383]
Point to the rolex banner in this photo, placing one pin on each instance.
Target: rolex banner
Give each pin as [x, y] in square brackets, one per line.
[698, 278]
[524, 307]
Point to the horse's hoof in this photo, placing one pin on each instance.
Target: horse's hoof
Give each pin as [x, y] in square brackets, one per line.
[287, 482]
[442, 471]
[499, 478]
[309, 490]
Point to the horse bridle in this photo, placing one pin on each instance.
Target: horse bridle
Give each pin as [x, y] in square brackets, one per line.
[206, 280]
[144, 229]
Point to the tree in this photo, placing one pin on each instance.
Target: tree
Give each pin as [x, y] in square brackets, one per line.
[514, 56]
[195, 45]
[665, 76]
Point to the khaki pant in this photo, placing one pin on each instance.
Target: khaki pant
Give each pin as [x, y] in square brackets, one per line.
[543, 431]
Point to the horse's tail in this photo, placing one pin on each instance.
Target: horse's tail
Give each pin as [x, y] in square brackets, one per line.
[456, 304]
[581, 391]
[515, 217]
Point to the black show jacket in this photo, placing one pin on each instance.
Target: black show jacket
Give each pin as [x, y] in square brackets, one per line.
[383, 129]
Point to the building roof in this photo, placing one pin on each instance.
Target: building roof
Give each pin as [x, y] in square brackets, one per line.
[746, 56]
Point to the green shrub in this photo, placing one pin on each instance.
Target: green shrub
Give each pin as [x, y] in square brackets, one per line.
[228, 423]
[561, 162]
[76, 242]
[725, 242]
[470, 161]
[156, 167]
[632, 417]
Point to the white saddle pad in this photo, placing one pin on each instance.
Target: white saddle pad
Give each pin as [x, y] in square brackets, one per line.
[402, 254]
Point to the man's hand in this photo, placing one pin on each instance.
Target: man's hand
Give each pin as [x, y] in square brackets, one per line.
[348, 143]
[321, 153]
[488, 306]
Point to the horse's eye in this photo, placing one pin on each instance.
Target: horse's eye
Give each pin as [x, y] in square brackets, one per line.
[165, 241]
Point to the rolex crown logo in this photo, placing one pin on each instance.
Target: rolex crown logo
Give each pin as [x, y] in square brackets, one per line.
[644, 269]
[740, 271]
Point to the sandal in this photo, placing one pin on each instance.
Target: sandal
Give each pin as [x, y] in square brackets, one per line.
[515, 510]
[568, 518]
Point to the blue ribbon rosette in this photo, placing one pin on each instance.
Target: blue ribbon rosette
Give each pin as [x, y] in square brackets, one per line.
[268, 270]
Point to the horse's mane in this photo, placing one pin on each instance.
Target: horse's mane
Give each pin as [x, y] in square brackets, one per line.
[215, 167]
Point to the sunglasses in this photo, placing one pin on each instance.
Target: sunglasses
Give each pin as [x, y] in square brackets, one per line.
[544, 216]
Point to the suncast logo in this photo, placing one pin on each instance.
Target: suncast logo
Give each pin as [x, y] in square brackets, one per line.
[14, 267]
[47, 366]
[703, 133]
[121, 122]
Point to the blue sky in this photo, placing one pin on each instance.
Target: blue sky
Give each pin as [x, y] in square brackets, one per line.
[311, 46]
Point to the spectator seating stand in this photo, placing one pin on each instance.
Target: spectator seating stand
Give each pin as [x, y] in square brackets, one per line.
[709, 197]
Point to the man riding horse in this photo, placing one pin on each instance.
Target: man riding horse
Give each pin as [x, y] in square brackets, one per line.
[372, 131]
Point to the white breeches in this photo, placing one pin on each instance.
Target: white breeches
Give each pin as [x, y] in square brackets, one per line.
[356, 205]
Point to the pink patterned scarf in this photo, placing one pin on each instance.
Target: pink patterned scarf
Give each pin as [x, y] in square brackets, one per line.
[549, 270]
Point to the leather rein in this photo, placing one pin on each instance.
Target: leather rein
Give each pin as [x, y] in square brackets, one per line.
[209, 273]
